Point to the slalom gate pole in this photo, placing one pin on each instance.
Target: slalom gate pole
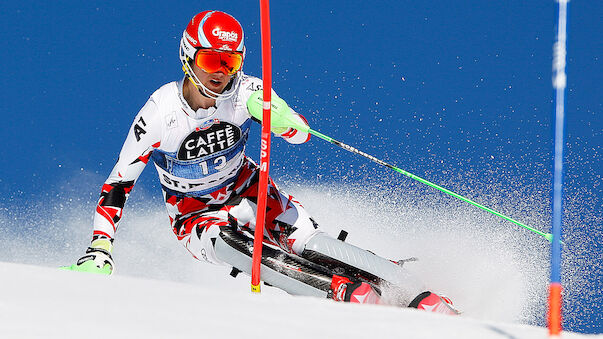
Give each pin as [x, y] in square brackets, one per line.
[548, 236]
[265, 147]
[559, 83]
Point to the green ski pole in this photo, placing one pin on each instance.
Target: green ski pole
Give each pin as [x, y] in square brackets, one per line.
[282, 118]
[548, 236]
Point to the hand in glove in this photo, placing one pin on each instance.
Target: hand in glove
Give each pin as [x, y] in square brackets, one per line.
[96, 260]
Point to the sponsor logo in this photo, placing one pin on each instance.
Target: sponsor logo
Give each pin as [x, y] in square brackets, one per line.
[138, 129]
[179, 184]
[207, 124]
[170, 121]
[216, 137]
[190, 38]
[187, 49]
[225, 36]
[254, 87]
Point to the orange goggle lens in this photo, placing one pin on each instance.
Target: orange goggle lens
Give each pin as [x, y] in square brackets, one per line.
[213, 61]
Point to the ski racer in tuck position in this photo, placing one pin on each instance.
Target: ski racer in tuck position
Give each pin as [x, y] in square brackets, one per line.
[195, 130]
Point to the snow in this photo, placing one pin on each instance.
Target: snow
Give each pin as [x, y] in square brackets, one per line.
[496, 274]
[42, 302]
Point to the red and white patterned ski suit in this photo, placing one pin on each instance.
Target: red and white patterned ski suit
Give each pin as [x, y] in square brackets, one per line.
[206, 178]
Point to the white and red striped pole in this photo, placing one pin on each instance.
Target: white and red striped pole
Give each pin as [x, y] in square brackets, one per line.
[265, 147]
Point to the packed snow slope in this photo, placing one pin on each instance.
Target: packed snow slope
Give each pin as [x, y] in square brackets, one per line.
[494, 272]
[37, 302]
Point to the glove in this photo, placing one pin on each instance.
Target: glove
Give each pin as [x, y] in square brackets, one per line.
[97, 259]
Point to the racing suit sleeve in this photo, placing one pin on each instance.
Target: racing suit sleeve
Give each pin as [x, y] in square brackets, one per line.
[294, 136]
[251, 84]
[143, 137]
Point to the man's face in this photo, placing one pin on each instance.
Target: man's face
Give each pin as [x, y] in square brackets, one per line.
[216, 82]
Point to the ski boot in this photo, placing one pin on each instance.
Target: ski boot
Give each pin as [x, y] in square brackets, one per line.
[431, 302]
[342, 289]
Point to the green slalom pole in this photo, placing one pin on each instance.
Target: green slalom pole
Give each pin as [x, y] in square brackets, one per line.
[282, 118]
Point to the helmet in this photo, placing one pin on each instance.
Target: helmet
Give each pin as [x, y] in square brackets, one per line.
[215, 33]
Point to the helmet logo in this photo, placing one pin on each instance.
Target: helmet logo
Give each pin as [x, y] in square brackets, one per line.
[189, 37]
[225, 36]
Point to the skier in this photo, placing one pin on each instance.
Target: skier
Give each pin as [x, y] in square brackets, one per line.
[195, 130]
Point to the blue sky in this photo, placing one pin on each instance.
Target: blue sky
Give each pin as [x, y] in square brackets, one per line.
[457, 92]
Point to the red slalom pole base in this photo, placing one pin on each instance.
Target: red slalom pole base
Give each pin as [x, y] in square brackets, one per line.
[554, 317]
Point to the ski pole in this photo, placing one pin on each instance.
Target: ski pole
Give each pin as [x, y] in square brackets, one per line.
[282, 118]
[547, 236]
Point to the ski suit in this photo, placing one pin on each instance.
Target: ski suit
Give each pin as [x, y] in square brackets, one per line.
[206, 178]
[210, 186]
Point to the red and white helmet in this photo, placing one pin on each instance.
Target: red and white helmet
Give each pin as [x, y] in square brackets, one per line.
[218, 33]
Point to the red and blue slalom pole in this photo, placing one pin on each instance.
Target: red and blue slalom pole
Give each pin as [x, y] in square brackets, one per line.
[559, 84]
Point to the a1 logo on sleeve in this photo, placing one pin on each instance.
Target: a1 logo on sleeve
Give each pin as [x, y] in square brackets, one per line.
[208, 140]
[138, 128]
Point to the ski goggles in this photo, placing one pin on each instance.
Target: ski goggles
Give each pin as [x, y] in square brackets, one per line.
[212, 61]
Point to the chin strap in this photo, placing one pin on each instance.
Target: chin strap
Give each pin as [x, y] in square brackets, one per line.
[202, 89]
[192, 80]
